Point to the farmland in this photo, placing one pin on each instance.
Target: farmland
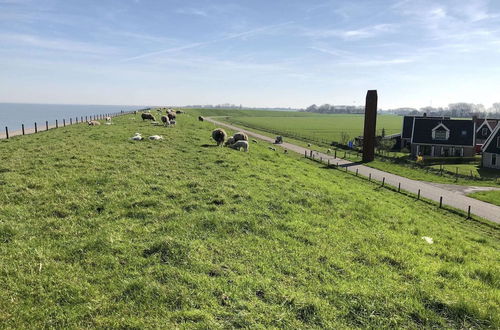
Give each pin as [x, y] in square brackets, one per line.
[100, 231]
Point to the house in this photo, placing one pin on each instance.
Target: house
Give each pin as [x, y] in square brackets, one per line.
[443, 137]
[407, 130]
[484, 129]
[491, 150]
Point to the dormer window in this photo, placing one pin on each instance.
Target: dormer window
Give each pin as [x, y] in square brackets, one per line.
[440, 132]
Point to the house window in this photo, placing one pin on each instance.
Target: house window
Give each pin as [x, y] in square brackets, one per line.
[446, 152]
[440, 135]
[464, 133]
[494, 159]
[484, 131]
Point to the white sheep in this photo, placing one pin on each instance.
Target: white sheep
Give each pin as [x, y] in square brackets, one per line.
[156, 137]
[137, 137]
[240, 144]
[108, 119]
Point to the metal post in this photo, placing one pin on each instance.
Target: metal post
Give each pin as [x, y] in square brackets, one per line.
[22, 125]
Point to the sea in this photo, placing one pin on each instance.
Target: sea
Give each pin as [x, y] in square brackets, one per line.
[13, 115]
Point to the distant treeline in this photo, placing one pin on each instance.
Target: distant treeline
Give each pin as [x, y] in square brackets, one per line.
[455, 110]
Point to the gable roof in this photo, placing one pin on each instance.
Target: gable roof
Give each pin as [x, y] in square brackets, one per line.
[491, 145]
[422, 131]
[408, 124]
[485, 122]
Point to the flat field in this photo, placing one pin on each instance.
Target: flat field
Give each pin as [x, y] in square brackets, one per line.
[100, 231]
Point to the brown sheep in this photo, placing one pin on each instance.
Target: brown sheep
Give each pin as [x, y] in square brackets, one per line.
[219, 135]
[147, 116]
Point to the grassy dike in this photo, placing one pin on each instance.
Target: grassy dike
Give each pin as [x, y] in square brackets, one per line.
[100, 231]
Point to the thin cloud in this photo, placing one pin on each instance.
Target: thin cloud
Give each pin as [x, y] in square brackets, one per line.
[192, 11]
[362, 33]
[204, 43]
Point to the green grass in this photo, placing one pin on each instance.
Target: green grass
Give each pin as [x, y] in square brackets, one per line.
[492, 197]
[321, 129]
[100, 231]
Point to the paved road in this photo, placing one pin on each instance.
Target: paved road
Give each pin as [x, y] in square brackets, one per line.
[427, 190]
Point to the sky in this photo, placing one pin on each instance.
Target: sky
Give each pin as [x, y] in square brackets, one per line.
[259, 53]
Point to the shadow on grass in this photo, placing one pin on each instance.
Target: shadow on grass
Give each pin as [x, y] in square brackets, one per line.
[209, 146]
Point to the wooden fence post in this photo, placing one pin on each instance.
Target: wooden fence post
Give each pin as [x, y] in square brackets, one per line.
[22, 126]
[71, 120]
[7, 132]
[418, 196]
[357, 171]
[36, 129]
[468, 213]
[399, 187]
[64, 122]
[370, 177]
[441, 202]
[383, 181]
[46, 125]
[57, 124]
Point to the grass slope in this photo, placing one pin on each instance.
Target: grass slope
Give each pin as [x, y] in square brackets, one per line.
[100, 231]
[492, 197]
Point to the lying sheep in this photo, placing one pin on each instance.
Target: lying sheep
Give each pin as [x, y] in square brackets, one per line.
[240, 144]
[108, 119]
[156, 137]
[165, 120]
[93, 123]
[219, 135]
[200, 118]
[230, 141]
[240, 136]
[137, 137]
[147, 116]
[172, 122]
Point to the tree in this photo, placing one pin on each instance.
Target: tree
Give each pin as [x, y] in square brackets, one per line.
[344, 138]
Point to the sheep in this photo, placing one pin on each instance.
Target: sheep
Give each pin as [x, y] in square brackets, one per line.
[219, 135]
[108, 119]
[230, 141]
[200, 118]
[172, 122]
[93, 123]
[286, 151]
[240, 136]
[137, 137]
[278, 140]
[254, 141]
[165, 120]
[147, 116]
[171, 115]
[135, 112]
[240, 144]
[309, 145]
[156, 137]
[180, 112]
[329, 151]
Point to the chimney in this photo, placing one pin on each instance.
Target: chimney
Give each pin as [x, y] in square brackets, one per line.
[425, 114]
[370, 126]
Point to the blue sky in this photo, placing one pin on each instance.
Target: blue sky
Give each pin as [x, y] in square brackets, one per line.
[259, 53]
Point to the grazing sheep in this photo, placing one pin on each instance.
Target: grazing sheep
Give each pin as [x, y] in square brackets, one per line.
[165, 120]
[230, 141]
[172, 122]
[179, 112]
[156, 137]
[278, 140]
[171, 115]
[240, 144]
[240, 136]
[254, 141]
[200, 118]
[272, 148]
[219, 135]
[137, 137]
[93, 123]
[108, 119]
[147, 116]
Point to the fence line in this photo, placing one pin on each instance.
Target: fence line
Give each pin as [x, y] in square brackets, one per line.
[9, 134]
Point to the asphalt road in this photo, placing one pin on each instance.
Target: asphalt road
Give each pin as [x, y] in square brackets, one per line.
[455, 199]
